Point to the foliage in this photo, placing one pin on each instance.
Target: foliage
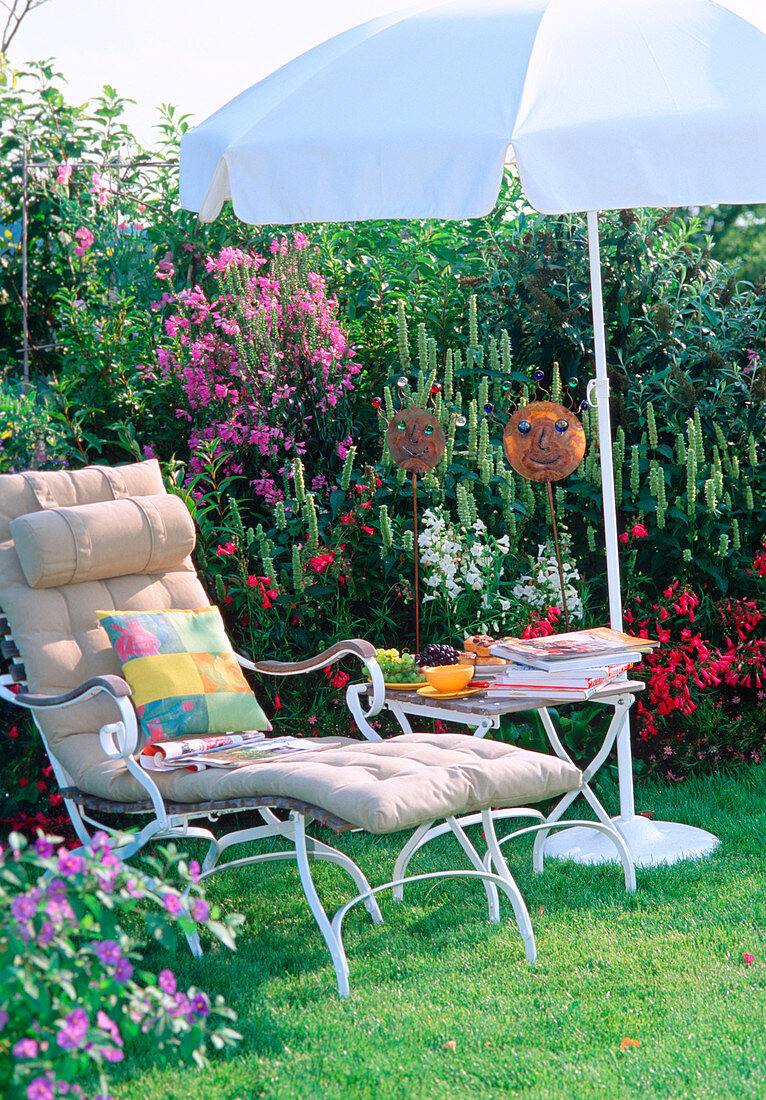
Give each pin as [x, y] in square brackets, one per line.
[71, 994]
[737, 239]
[118, 272]
[705, 684]
[29, 439]
[29, 801]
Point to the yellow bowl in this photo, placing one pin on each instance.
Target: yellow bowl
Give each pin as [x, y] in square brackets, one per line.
[446, 678]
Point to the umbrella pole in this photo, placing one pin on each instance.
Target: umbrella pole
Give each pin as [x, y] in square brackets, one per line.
[601, 387]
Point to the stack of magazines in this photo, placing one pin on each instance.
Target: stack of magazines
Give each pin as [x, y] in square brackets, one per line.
[226, 750]
[570, 666]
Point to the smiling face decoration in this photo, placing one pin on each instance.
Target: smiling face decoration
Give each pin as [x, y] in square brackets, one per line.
[416, 440]
[544, 441]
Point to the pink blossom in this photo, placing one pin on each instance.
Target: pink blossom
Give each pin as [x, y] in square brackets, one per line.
[64, 174]
[85, 239]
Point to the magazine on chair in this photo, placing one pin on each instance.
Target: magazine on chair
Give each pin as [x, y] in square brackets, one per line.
[228, 750]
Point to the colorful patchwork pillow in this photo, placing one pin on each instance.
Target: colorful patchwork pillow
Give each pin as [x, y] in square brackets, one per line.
[183, 673]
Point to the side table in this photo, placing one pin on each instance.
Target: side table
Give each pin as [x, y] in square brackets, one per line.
[649, 842]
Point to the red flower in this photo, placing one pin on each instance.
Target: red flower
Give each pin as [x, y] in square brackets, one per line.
[13, 732]
[23, 782]
[321, 562]
[226, 551]
[368, 530]
[347, 517]
[277, 704]
[638, 531]
[623, 537]
[40, 785]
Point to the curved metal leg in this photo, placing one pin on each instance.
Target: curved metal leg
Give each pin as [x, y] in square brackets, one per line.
[520, 910]
[331, 936]
[328, 854]
[421, 836]
[493, 902]
[427, 832]
[626, 859]
[502, 882]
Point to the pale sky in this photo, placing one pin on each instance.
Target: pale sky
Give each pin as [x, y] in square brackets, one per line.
[196, 55]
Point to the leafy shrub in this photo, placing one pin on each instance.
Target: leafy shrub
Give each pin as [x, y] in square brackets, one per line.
[71, 994]
[705, 684]
[29, 438]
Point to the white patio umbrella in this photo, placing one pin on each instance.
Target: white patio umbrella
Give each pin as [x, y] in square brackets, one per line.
[602, 104]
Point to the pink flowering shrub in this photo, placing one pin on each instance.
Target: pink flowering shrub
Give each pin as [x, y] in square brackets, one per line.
[264, 367]
[72, 996]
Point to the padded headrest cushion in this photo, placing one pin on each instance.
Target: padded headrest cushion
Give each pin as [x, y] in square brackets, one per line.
[113, 538]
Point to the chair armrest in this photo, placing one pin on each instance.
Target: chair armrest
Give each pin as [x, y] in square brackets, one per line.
[113, 685]
[351, 647]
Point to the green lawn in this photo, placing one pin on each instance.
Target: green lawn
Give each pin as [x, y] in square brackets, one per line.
[664, 968]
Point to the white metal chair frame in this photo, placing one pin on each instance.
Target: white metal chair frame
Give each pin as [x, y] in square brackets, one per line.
[121, 740]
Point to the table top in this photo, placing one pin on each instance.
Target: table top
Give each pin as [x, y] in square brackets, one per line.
[481, 705]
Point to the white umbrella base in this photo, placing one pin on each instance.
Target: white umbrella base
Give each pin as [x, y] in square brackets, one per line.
[651, 843]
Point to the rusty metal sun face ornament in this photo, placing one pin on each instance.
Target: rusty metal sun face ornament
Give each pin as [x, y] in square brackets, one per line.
[416, 440]
[544, 441]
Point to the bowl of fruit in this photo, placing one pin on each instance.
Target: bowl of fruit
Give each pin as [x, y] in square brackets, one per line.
[400, 670]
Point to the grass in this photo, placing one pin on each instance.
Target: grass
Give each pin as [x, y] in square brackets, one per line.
[664, 968]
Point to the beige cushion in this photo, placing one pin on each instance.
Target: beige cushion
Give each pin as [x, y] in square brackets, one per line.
[113, 538]
[56, 629]
[37, 489]
[380, 786]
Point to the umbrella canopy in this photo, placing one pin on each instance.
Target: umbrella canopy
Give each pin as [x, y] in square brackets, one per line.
[603, 104]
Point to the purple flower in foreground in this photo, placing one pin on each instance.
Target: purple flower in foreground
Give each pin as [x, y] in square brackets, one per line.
[200, 910]
[200, 1005]
[40, 1089]
[172, 903]
[4, 1018]
[69, 864]
[24, 907]
[108, 952]
[43, 847]
[25, 1048]
[181, 1006]
[59, 910]
[72, 1034]
[46, 934]
[166, 980]
[194, 870]
[107, 1024]
[123, 971]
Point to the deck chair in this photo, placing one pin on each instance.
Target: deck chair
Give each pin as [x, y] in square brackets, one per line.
[76, 542]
